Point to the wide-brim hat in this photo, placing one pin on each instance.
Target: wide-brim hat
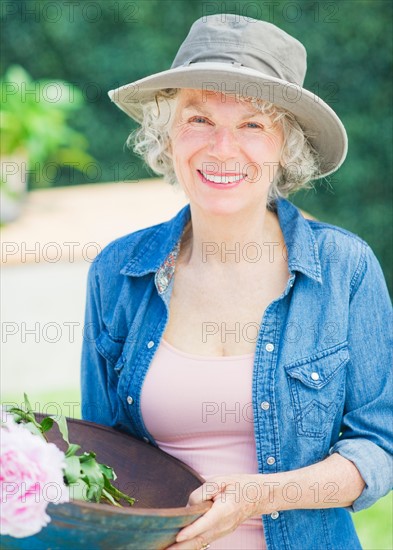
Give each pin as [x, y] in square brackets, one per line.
[232, 54]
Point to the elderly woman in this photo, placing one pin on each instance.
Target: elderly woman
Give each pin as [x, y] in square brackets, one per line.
[240, 337]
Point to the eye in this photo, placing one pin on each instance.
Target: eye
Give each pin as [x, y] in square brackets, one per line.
[254, 126]
[199, 120]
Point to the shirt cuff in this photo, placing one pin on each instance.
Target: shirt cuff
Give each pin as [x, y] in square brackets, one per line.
[375, 466]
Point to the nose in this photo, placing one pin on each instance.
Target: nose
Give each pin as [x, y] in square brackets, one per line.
[223, 144]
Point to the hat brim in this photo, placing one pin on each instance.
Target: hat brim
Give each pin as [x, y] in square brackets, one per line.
[325, 130]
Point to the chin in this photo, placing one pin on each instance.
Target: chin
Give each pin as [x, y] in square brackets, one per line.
[221, 207]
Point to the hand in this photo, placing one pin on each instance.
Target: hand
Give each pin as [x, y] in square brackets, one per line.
[235, 499]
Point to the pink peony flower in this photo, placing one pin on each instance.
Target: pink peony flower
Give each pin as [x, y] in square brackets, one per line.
[31, 476]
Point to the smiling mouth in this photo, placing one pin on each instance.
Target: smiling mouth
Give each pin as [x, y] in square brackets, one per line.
[221, 178]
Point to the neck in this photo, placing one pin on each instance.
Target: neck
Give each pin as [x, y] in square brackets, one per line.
[239, 239]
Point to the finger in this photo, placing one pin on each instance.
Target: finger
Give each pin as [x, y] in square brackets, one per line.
[208, 523]
[207, 491]
[194, 544]
[195, 529]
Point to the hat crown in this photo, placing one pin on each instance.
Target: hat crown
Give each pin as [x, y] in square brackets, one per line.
[258, 45]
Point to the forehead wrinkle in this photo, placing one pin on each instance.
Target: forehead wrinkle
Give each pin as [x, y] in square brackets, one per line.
[193, 105]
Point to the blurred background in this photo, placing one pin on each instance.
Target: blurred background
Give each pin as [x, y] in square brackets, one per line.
[69, 186]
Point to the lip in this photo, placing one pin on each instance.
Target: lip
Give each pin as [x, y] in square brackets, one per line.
[221, 186]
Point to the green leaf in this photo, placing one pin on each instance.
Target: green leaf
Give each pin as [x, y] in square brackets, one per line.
[91, 472]
[19, 414]
[62, 423]
[94, 492]
[110, 498]
[72, 448]
[27, 418]
[115, 493]
[107, 471]
[78, 490]
[87, 456]
[27, 403]
[46, 424]
[72, 470]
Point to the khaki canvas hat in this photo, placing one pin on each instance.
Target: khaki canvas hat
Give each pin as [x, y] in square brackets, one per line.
[231, 54]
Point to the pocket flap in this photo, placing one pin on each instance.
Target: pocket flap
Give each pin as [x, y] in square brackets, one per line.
[109, 348]
[317, 370]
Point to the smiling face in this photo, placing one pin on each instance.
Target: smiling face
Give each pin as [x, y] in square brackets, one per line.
[225, 153]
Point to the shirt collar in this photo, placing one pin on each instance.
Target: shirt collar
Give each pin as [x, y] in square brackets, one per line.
[302, 248]
[160, 251]
[159, 246]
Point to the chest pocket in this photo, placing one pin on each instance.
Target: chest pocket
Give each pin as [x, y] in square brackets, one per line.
[111, 350]
[317, 386]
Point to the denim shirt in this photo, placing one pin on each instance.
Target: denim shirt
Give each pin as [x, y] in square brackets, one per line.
[322, 360]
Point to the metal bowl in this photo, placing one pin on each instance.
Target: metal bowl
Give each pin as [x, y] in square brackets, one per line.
[160, 483]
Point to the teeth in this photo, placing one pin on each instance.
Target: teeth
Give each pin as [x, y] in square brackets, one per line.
[222, 179]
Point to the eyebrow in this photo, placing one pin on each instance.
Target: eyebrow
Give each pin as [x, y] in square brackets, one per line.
[194, 106]
[191, 105]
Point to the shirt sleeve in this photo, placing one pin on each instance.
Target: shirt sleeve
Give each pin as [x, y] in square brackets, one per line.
[96, 404]
[367, 438]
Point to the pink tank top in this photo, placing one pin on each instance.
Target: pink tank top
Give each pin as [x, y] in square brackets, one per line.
[199, 409]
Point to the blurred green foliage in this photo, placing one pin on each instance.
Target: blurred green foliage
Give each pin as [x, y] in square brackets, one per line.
[36, 124]
[374, 525]
[99, 45]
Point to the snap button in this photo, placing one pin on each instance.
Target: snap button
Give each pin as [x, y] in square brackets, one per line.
[265, 405]
[315, 376]
[146, 440]
[271, 460]
[274, 515]
[150, 344]
[269, 347]
[130, 400]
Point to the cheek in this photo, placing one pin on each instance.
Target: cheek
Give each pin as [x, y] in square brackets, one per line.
[263, 158]
[185, 144]
[267, 150]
